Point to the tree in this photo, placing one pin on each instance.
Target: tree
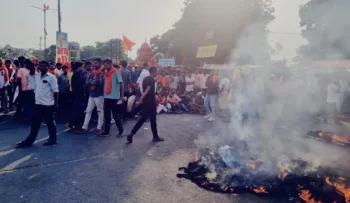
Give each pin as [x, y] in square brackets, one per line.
[113, 48]
[325, 26]
[222, 20]
[87, 51]
[50, 53]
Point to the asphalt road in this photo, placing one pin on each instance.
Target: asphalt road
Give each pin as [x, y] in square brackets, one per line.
[85, 168]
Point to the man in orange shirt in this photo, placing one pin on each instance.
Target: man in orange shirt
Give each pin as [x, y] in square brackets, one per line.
[163, 81]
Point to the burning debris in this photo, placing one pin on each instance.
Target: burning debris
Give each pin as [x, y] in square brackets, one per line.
[296, 180]
[329, 137]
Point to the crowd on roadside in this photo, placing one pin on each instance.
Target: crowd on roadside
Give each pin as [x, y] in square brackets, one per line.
[86, 90]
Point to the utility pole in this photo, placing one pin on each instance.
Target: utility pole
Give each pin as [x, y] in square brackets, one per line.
[59, 15]
[40, 38]
[44, 9]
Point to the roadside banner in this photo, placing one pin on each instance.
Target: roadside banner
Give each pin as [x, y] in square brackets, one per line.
[165, 62]
[206, 51]
[62, 52]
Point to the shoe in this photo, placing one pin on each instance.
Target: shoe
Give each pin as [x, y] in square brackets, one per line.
[80, 131]
[49, 143]
[98, 132]
[207, 116]
[104, 134]
[158, 139]
[112, 121]
[23, 144]
[211, 119]
[129, 138]
[121, 134]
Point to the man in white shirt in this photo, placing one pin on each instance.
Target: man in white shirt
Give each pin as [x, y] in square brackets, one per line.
[144, 73]
[224, 88]
[46, 97]
[333, 93]
[4, 81]
[58, 69]
[203, 78]
[189, 83]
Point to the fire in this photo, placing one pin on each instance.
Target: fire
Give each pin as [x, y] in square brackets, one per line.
[254, 162]
[196, 159]
[284, 173]
[321, 134]
[225, 189]
[341, 139]
[341, 189]
[306, 196]
[260, 190]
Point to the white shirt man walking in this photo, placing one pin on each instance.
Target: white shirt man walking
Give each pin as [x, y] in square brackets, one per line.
[46, 95]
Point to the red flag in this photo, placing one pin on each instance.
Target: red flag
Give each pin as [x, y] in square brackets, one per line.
[128, 44]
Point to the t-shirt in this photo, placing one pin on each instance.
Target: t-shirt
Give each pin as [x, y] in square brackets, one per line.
[212, 85]
[197, 78]
[149, 100]
[225, 85]
[173, 81]
[202, 79]
[189, 88]
[173, 99]
[126, 75]
[142, 76]
[115, 91]
[22, 73]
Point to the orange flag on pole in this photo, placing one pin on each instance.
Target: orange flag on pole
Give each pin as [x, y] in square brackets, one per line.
[128, 44]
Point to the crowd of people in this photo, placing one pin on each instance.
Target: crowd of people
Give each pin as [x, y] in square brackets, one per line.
[112, 93]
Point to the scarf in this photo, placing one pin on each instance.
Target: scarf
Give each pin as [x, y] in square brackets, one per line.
[109, 78]
[52, 72]
[95, 73]
[6, 76]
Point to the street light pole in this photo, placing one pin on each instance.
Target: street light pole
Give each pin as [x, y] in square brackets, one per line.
[44, 9]
[59, 15]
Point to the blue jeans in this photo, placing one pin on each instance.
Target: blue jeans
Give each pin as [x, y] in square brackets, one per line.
[210, 104]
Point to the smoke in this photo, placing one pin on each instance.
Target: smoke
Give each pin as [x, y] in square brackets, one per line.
[272, 111]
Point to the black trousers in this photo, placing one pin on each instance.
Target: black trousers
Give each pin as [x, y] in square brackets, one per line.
[3, 98]
[63, 105]
[10, 94]
[46, 112]
[147, 111]
[110, 106]
[20, 101]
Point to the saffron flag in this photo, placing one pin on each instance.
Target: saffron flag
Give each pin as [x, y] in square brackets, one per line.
[128, 44]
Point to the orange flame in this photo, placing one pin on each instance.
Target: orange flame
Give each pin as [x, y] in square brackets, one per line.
[341, 189]
[284, 173]
[306, 196]
[341, 139]
[260, 190]
[225, 189]
[196, 159]
[321, 134]
[254, 162]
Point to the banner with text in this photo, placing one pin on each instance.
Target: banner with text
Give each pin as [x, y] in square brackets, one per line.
[165, 62]
[62, 51]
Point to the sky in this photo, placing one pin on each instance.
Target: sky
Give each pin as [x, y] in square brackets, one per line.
[88, 21]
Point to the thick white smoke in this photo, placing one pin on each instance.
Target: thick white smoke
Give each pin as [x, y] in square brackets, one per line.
[271, 114]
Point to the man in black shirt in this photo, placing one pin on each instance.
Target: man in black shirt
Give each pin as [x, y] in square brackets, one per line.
[148, 107]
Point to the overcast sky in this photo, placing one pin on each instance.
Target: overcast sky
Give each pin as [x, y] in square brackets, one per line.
[88, 21]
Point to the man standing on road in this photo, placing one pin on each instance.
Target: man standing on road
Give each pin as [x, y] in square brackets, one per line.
[95, 82]
[126, 75]
[46, 97]
[210, 99]
[4, 81]
[113, 94]
[144, 73]
[148, 108]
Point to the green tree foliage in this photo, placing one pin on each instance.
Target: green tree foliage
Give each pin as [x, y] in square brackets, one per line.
[208, 22]
[50, 53]
[325, 26]
[87, 51]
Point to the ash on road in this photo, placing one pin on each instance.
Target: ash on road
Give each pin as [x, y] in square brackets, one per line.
[85, 168]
